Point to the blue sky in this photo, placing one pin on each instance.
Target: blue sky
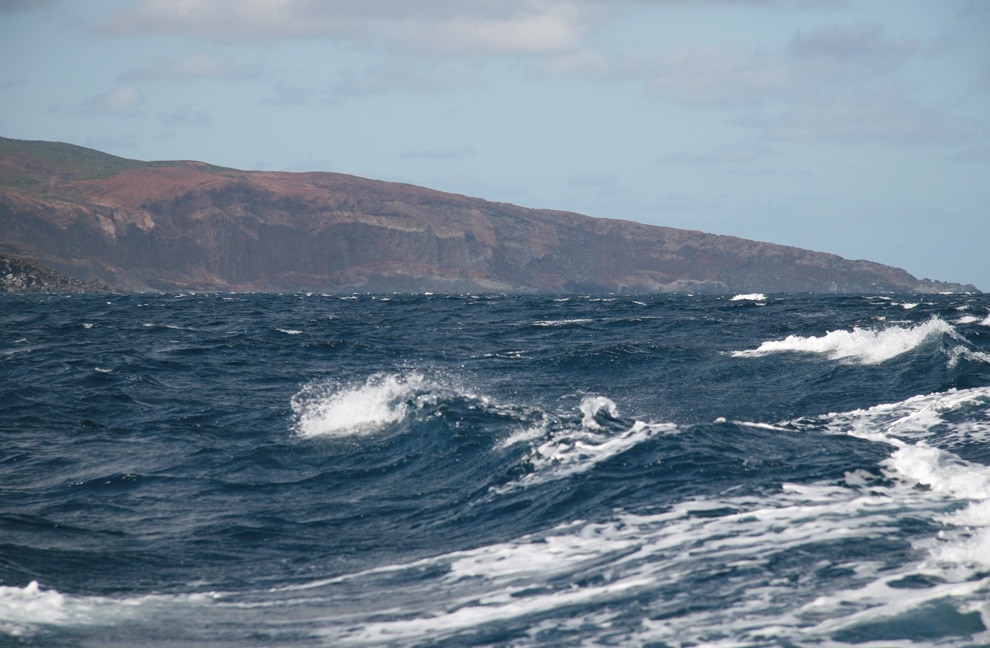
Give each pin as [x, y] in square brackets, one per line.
[856, 127]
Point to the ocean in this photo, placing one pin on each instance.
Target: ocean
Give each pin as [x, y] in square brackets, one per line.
[492, 470]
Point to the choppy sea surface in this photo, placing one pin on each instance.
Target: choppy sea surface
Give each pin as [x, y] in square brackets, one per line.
[316, 470]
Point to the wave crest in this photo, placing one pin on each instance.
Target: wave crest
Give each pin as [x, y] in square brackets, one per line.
[601, 435]
[327, 409]
[863, 346]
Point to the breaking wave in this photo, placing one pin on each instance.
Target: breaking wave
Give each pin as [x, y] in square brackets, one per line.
[328, 409]
[860, 345]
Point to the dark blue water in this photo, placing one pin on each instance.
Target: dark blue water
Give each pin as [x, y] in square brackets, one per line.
[303, 470]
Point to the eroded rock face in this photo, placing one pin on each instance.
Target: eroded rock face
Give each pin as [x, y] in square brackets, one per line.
[22, 275]
[187, 225]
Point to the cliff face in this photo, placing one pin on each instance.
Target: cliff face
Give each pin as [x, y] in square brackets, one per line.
[187, 225]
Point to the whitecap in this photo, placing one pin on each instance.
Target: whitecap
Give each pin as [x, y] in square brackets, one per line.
[523, 435]
[613, 560]
[749, 297]
[922, 418]
[591, 406]
[923, 432]
[558, 454]
[962, 353]
[562, 322]
[289, 331]
[962, 549]
[24, 611]
[333, 410]
[864, 346]
[972, 548]
[581, 574]
[939, 471]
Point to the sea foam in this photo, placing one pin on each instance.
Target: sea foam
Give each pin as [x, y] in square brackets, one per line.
[558, 454]
[24, 611]
[332, 410]
[563, 322]
[950, 418]
[934, 473]
[23, 608]
[614, 559]
[863, 346]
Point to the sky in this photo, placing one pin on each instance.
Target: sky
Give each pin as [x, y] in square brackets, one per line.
[856, 127]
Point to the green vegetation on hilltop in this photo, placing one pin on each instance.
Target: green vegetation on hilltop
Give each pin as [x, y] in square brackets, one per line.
[64, 161]
[46, 168]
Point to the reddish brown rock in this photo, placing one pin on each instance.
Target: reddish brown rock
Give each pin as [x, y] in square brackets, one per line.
[188, 225]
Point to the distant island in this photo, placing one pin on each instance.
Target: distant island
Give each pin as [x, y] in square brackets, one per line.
[104, 222]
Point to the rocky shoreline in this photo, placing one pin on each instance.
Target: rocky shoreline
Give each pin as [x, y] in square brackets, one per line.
[21, 275]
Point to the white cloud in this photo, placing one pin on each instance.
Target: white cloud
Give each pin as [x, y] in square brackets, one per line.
[725, 154]
[11, 6]
[715, 76]
[862, 42]
[406, 75]
[888, 116]
[125, 100]
[586, 62]
[283, 94]
[546, 28]
[423, 46]
[192, 66]
[223, 20]
[834, 59]
[186, 116]
[475, 27]
[837, 83]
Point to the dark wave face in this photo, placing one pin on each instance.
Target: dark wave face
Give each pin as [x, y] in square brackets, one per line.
[310, 470]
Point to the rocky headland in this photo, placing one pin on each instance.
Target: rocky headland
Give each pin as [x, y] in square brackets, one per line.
[160, 226]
